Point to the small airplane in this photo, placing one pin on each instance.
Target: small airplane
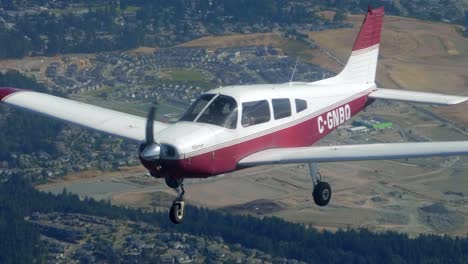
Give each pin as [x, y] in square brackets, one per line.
[236, 127]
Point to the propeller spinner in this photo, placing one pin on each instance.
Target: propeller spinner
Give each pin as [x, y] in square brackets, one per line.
[151, 150]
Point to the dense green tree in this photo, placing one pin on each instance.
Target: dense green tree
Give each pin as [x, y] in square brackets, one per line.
[340, 16]
[13, 44]
[22, 131]
[104, 28]
[466, 24]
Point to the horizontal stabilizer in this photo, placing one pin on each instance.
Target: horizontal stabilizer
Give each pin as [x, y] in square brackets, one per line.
[355, 152]
[417, 97]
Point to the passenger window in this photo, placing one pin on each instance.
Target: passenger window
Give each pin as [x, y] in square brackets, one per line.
[254, 113]
[281, 108]
[301, 105]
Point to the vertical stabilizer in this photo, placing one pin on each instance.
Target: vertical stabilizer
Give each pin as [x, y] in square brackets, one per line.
[362, 63]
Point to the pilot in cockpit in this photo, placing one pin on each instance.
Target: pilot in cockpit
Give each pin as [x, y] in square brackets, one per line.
[212, 109]
[223, 113]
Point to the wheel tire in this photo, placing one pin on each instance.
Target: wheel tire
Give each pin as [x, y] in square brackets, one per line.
[175, 215]
[322, 194]
[171, 182]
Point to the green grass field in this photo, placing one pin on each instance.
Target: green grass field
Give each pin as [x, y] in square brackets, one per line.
[75, 10]
[131, 9]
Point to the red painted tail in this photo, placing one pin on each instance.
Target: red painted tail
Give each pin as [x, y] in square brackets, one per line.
[362, 64]
[369, 35]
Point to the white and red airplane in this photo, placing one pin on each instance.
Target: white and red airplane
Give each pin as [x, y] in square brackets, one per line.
[235, 127]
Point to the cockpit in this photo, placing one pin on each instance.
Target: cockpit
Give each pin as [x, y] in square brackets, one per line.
[214, 109]
[222, 110]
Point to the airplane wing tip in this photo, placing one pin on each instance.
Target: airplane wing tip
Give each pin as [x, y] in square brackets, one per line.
[460, 100]
[7, 91]
[417, 97]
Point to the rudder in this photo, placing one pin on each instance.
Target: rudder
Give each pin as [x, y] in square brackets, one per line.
[362, 64]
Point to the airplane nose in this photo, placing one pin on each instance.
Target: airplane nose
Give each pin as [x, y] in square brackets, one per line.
[151, 152]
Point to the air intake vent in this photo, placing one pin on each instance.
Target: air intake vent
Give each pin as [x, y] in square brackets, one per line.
[170, 151]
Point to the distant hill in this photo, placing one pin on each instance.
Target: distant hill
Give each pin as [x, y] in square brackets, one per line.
[58, 27]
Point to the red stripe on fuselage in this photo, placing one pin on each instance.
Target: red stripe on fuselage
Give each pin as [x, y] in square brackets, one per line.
[225, 159]
[6, 91]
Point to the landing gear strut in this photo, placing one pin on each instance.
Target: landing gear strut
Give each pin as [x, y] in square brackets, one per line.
[321, 190]
[176, 213]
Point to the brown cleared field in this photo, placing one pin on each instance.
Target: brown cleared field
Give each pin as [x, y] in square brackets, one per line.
[36, 66]
[142, 50]
[291, 47]
[94, 175]
[415, 55]
[214, 42]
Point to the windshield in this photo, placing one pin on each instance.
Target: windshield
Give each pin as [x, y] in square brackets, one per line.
[220, 110]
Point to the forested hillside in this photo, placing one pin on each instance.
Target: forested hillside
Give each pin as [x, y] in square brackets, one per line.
[26, 132]
[43, 28]
[107, 26]
[19, 244]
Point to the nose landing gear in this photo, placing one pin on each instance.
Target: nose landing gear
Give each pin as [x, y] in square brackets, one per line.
[176, 213]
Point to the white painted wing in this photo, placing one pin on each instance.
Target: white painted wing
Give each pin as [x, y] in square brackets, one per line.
[355, 152]
[417, 97]
[90, 116]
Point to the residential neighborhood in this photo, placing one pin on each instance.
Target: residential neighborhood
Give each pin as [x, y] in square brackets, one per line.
[78, 238]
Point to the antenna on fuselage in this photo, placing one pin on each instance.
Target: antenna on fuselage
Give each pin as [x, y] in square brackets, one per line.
[294, 71]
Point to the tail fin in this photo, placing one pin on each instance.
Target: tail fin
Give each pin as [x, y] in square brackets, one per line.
[362, 64]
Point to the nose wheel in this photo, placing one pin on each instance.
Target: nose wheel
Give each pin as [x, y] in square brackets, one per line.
[176, 213]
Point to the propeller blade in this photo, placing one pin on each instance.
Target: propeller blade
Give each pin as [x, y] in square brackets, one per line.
[151, 150]
[150, 124]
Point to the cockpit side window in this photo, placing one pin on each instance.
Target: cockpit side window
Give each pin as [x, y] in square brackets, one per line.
[231, 120]
[220, 110]
[256, 112]
[301, 105]
[195, 109]
[281, 108]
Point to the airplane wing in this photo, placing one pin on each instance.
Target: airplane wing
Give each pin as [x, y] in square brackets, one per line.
[90, 116]
[417, 97]
[355, 152]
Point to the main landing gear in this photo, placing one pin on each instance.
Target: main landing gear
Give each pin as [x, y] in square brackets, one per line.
[321, 193]
[176, 213]
[321, 190]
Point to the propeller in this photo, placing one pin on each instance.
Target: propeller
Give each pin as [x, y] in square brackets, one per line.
[152, 150]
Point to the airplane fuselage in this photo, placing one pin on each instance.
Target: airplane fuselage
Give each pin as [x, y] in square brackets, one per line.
[199, 149]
